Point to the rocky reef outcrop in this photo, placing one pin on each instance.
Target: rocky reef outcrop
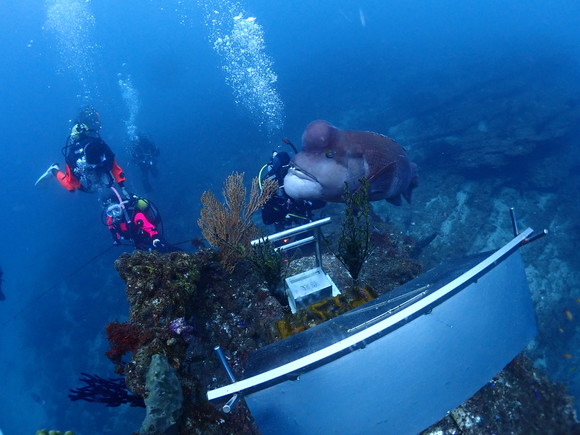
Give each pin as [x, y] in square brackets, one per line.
[237, 312]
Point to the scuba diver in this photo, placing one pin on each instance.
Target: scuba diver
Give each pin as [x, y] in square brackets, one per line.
[90, 163]
[136, 220]
[281, 210]
[144, 154]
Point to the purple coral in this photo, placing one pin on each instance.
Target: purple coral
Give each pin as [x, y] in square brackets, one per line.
[179, 327]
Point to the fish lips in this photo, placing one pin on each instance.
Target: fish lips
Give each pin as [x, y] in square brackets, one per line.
[300, 184]
[302, 174]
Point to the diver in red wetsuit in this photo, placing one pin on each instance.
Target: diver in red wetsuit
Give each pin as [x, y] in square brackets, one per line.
[90, 163]
[138, 221]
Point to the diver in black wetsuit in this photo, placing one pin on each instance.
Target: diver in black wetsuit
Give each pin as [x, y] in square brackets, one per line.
[144, 154]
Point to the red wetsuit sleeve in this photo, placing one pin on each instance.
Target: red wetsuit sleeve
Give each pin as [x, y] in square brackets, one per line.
[118, 172]
[68, 180]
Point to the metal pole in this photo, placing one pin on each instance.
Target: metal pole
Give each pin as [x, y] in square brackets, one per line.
[317, 248]
[534, 237]
[296, 244]
[232, 402]
[224, 362]
[514, 222]
[292, 231]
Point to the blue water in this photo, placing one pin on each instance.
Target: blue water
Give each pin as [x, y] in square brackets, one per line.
[173, 70]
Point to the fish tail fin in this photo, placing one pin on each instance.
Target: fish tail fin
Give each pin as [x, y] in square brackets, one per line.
[414, 177]
[407, 194]
[413, 182]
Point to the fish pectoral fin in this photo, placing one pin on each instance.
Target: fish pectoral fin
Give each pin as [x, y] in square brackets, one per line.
[381, 181]
[385, 171]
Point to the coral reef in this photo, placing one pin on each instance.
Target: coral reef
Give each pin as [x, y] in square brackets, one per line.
[123, 337]
[160, 289]
[229, 226]
[186, 304]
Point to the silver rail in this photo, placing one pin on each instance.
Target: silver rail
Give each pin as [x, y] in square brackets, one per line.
[292, 231]
[298, 230]
[296, 244]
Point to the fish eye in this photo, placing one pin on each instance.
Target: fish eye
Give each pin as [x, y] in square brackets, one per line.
[329, 154]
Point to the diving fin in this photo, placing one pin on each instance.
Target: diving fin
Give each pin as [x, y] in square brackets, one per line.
[48, 174]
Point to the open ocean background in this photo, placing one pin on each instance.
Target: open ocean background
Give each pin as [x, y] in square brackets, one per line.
[485, 95]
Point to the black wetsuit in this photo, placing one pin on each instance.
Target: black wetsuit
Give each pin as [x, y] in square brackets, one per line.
[145, 153]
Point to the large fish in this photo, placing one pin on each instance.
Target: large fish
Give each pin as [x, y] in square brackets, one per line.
[330, 157]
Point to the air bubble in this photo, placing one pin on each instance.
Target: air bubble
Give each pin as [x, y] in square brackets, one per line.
[247, 67]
